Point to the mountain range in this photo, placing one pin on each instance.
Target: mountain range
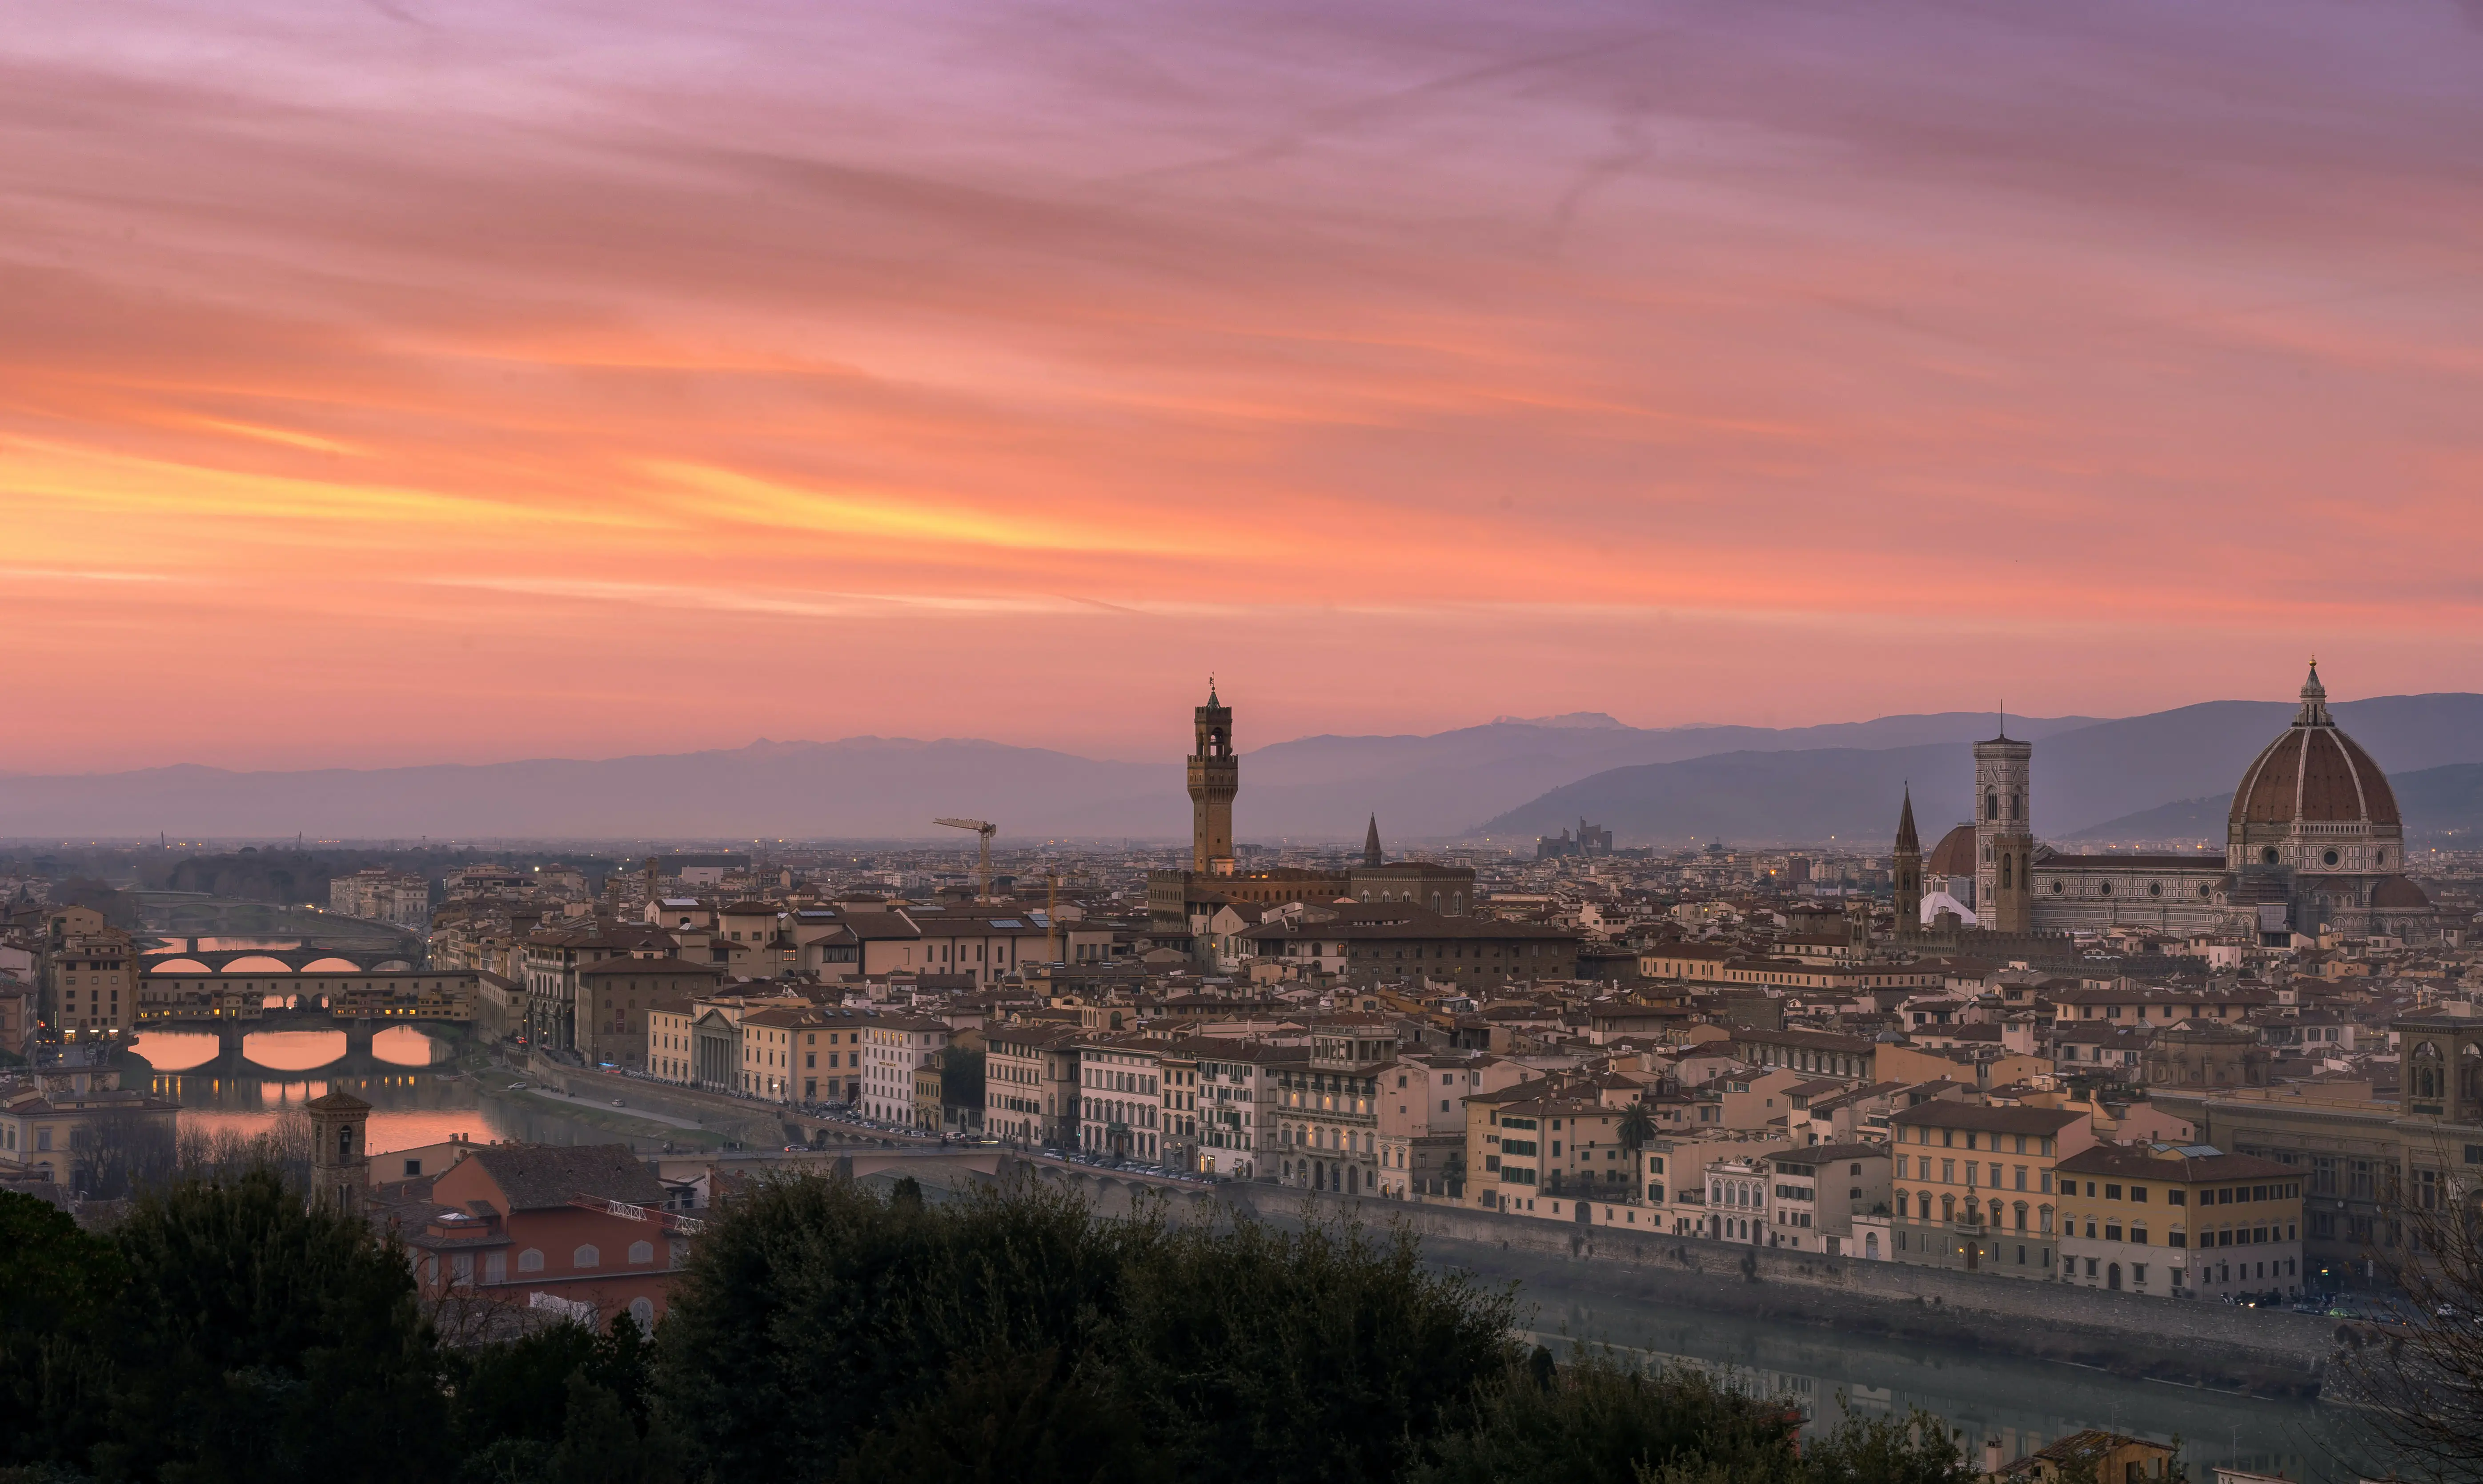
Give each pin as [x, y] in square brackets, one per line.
[1510, 780]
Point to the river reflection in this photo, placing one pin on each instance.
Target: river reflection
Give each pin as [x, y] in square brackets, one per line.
[285, 1050]
[414, 1101]
[2022, 1404]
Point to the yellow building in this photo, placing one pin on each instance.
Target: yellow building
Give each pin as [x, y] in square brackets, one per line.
[1973, 1185]
[78, 1130]
[2183, 1221]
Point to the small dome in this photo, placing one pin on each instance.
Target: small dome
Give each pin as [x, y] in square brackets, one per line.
[2396, 893]
[1954, 854]
[2312, 773]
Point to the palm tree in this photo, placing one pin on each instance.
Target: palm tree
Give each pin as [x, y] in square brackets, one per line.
[1636, 1127]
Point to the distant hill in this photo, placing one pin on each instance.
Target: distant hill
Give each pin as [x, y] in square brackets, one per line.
[2434, 803]
[2084, 776]
[1527, 778]
[1319, 788]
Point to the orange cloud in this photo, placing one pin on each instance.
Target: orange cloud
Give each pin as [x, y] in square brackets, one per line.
[447, 383]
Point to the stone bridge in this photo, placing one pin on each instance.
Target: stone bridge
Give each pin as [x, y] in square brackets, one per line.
[359, 956]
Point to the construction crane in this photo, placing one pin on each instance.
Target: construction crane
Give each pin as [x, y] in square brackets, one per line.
[984, 829]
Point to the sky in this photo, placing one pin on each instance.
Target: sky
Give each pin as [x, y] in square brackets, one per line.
[423, 380]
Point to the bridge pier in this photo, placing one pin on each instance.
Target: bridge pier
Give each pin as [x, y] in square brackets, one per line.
[357, 1038]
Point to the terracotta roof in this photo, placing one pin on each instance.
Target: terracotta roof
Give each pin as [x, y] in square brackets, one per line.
[2314, 773]
[1940, 1113]
[2398, 892]
[538, 1177]
[1954, 854]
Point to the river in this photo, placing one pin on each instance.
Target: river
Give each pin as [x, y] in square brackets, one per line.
[2022, 1404]
[416, 1095]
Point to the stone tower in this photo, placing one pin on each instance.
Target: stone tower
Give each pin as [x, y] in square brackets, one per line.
[2004, 834]
[1372, 855]
[1905, 872]
[1214, 777]
[340, 1164]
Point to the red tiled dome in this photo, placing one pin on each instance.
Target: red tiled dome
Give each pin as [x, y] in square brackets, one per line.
[1954, 854]
[2315, 774]
[2399, 893]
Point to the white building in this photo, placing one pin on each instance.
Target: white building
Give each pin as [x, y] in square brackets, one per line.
[893, 1047]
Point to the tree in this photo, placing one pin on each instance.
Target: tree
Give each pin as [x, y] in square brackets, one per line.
[1636, 1127]
[53, 1373]
[819, 1321]
[2418, 1380]
[255, 1339]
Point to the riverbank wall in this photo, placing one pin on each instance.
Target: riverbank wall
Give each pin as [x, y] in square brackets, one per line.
[2177, 1342]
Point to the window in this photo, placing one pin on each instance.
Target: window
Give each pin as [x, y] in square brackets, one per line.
[530, 1260]
[585, 1256]
[642, 1252]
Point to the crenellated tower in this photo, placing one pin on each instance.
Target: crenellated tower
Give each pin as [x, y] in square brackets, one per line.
[1214, 777]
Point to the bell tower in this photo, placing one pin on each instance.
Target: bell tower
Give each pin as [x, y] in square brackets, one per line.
[1214, 777]
[2004, 834]
[340, 1164]
[1905, 871]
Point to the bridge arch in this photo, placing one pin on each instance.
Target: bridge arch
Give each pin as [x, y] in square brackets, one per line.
[257, 963]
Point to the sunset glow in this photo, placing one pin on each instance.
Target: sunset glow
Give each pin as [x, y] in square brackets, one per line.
[427, 382]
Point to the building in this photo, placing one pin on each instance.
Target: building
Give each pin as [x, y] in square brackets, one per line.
[382, 895]
[80, 1129]
[2314, 844]
[1973, 1185]
[2184, 1221]
[91, 977]
[2108, 1458]
[1120, 1098]
[170, 996]
[1240, 1089]
[1030, 1083]
[340, 1157]
[1368, 942]
[2004, 834]
[1815, 1193]
[1327, 1111]
[2355, 1155]
[615, 995]
[1423, 1119]
[1184, 900]
[893, 1046]
[580, 1229]
[549, 961]
[774, 1040]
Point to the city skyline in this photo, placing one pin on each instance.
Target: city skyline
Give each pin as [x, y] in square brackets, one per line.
[415, 384]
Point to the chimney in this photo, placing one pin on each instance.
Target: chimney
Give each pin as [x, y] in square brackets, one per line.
[1992, 1458]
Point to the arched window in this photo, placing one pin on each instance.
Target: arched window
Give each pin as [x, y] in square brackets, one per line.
[585, 1256]
[2017, 807]
[642, 1252]
[2005, 862]
[530, 1260]
[643, 1310]
[1991, 804]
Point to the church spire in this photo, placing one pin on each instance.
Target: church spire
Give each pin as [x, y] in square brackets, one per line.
[1371, 853]
[1906, 838]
